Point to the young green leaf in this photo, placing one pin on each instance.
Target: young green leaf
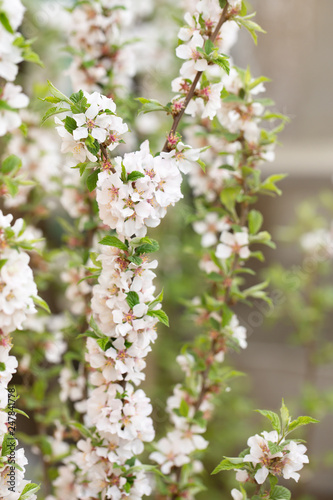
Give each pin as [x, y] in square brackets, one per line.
[273, 417]
[160, 315]
[132, 299]
[113, 241]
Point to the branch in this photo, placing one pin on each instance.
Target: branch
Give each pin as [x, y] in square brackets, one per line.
[224, 17]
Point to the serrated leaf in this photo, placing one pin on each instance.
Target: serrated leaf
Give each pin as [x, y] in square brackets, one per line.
[52, 111]
[160, 315]
[251, 26]
[209, 46]
[132, 299]
[280, 493]
[300, 421]
[226, 464]
[113, 241]
[273, 417]
[150, 105]
[77, 96]
[56, 93]
[135, 175]
[104, 343]
[136, 260]
[148, 246]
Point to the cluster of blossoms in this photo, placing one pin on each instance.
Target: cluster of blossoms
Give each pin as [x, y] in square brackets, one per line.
[17, 291]
[223, 220]
[100, 38]
[201, 54]
[39, 151]
[132, 193]
[11, 97]
[269, 456]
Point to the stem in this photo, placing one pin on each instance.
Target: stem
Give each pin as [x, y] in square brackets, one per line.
[223, 18]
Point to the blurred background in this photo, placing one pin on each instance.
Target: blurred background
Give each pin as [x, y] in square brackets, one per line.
[290, 345]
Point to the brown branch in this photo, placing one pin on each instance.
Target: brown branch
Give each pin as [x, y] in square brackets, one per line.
[224, 17]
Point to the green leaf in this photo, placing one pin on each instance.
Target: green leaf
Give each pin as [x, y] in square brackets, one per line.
[41, 303]
[11, 163]
[160, 315]
[92, 180]
[135, 175]
[228, 197]
[223, 62]
[2, 366]
[132, 299]
[56, 93]
[150, 105]
[52, 111]
[12, 186]
[280, 493]
[222, 3]
[113, 241]
[5, 22]
[273, 417]
[104, 343]
[5, 105]
[227, 464]
[251, 26]
[77, 96]
[29, 489]
[136, 260]
[31, 56]
[183, 408]
[209, 46]
[70, 124]
[255, 221]
[301, 421]
[269, 183]
[275, 448]
[81, 428]
[148, 246]
[92, 145]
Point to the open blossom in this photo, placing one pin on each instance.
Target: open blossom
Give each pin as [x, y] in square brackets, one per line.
[208, 102]
[129, 207]
[286, 462]
[233, 243]
[17, 290]
[10, 56]
[98, 123]
[210, 227]
[10, 119]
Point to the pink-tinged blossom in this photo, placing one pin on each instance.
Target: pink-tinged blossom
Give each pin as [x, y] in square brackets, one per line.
[171, 452]
[210, 228]
[261, 454]
[208, 103]
[233, 244]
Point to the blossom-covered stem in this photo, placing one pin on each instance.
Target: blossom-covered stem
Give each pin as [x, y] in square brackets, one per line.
[224, 17]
